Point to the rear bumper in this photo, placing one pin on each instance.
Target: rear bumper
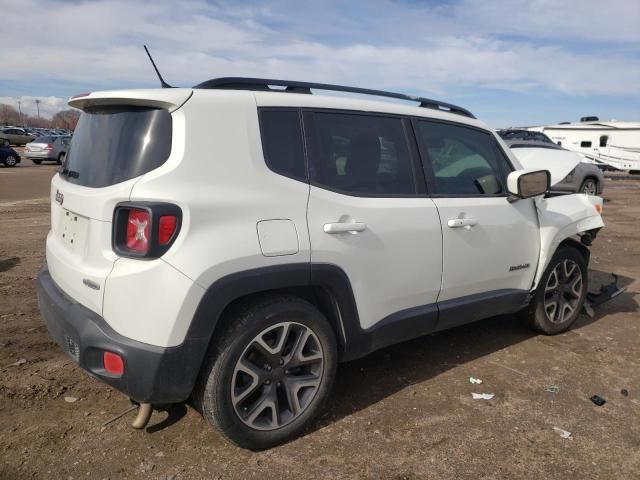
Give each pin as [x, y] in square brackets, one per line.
[152, 374]
[39, 155]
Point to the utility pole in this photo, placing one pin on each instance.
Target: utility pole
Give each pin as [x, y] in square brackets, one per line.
[38, 107]
[20, 113]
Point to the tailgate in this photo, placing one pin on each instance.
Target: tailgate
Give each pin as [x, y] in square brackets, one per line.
[79, 253]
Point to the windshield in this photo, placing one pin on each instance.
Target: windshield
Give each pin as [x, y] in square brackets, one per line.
[114, 144]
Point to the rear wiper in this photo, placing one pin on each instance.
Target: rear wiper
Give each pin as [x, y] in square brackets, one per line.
[69, 173]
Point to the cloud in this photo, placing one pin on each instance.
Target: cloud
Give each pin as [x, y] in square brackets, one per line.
[48, 106]
[579, 49]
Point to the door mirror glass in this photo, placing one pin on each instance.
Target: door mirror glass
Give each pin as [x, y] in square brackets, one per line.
[528, 183]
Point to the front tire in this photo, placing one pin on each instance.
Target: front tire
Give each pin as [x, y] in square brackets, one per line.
[10, 161]
[269, 373]
[560, 295]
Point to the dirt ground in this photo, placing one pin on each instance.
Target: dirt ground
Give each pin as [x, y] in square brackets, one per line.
[402, 413]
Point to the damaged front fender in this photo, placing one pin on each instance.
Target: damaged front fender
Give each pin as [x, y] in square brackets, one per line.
[563, 217]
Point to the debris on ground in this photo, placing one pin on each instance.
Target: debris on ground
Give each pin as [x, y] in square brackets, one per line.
[475, 381]
[508, 368]
[482, 396]
[552, 389]
[624, 392]
[607, 292]
[22, 361]
[103, 427]
[563, 433]
[71, 399]
[599, 401]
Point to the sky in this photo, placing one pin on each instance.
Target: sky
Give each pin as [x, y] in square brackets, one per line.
[511, 62]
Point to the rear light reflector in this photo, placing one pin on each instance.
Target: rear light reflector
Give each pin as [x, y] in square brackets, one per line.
[166, 228]
[113, 363]
[138, 227]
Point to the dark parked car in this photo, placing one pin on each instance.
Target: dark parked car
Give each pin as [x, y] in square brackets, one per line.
[8, 156]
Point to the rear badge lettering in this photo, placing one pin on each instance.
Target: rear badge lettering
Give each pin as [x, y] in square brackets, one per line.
[59, 197]
[91, 284]
[522, 266]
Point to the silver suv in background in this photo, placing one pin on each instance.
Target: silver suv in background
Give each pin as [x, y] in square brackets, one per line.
[14, 136]
[52, 148]
[584, 178]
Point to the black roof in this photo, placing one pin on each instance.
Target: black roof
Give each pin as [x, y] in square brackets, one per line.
[266, 84]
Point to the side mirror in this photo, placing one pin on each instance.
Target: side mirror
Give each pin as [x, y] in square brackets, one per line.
[528, 183]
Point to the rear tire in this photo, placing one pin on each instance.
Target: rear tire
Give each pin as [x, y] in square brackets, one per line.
[589, 186]
[259, 397]
[560, 295]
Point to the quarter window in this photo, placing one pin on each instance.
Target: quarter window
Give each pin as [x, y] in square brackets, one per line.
[282, 142]
[360, 154]
[462, 160]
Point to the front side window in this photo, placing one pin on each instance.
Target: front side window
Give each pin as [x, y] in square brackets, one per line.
[360, 154]
[462, 160]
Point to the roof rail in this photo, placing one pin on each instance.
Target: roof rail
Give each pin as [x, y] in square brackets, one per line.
[265, 84]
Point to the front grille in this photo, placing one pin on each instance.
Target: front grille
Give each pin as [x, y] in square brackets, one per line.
[72, 348]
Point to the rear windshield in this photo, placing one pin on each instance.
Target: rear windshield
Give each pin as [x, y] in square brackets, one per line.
[114, 144]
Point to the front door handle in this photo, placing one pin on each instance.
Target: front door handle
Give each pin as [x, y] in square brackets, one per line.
[461, 222]
[344, 227]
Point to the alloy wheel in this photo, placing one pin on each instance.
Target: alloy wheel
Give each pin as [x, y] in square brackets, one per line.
[10, 161]
[589, 187]
[277, 376]
[563, 291]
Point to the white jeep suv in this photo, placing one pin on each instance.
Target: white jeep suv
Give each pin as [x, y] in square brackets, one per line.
[233, 242]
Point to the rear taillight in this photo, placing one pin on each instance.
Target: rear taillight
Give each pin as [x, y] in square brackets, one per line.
[145, 229]
[138, 226]
[48, 147]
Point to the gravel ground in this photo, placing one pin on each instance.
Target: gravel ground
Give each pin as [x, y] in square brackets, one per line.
[402, 413]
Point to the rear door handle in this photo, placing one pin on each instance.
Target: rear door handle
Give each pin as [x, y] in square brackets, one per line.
[461, 222]
[344, 227]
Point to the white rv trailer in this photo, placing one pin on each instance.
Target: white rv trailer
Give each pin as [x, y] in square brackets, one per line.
[606, 143]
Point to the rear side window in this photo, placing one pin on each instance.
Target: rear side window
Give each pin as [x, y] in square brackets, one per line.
[462, 160]
[282, 142]
[360, 154]
[114, 144]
